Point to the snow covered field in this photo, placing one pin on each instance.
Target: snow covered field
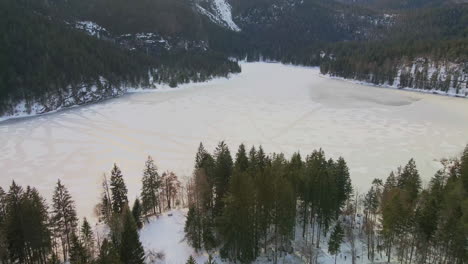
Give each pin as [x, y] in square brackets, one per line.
[284, 108]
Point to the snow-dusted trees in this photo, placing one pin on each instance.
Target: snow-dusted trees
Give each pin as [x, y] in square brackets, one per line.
[64, 219]
[118, 190]
[151, 188]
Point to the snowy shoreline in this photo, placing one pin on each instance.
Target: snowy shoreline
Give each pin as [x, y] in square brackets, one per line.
[167, 88]
[386, 86]
[126, 91]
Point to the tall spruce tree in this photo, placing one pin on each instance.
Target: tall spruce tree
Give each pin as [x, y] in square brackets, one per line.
[3, 241]
[242, 163]
[336, 238]
[64, 219]
[464, 168]
[193, 229]
[87, 238]
[108, 254]
[409, 180]
[78, 253]
[118, 190]
[223, 172]
[36, 226]
[14, 224]
[136, 212]
[151, 188]
[131, 249]
[25, 226]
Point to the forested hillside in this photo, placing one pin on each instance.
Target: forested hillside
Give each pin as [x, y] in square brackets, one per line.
[47, 64]
[61, 53]
[425, 49]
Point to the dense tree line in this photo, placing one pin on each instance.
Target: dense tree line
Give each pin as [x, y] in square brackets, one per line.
[420, 64]
[253, 205]
[263, 205]
[250, 205]
[31, 232]
[436, 35]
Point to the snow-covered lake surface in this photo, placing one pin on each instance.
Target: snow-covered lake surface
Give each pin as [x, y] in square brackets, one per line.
[283, 108]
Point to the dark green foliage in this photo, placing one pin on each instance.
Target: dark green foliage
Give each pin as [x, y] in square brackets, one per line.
[223, 172]
[118, 190]
[464, 168]
[131, 249]
[151, 185]
[78, 252]
[193, 229]
[336, 238]
[87, 238]
[24, 226]
[136, 212]
[410, 181]
[64, 219]
[191, 260]
[108, 254]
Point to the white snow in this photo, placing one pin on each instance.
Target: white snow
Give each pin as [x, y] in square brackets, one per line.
[283, 108]
[166, 234]
[90, 27]
[221, 14]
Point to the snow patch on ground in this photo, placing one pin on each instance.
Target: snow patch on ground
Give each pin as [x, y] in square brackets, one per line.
[166, 234]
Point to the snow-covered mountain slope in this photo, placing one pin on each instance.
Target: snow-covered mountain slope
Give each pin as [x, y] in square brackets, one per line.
[218, 11]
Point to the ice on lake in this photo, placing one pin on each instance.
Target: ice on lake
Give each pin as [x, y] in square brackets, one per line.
[282, 108]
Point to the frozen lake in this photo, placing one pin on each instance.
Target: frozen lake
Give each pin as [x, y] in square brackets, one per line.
[281, 107]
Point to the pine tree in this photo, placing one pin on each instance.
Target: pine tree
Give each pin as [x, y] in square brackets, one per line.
[191, 260]
[192, 229]
[78, 254]
[464, 168]
[205, 165]
[223, 172]
[36, 226]
[108, 254]
[64, 218]
[87, 237]
[241, 163]
[3, 241]
[118, 190]
[136, 212]
[343, 182]
[131, 249]
[14, 224]
[336, 238]
[409, 180]
[151, 185]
